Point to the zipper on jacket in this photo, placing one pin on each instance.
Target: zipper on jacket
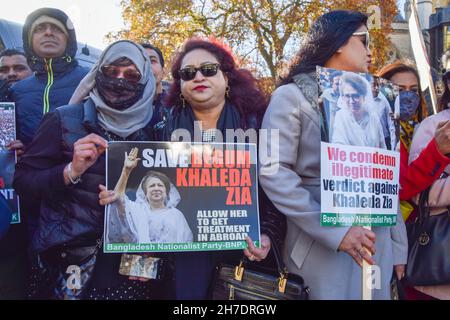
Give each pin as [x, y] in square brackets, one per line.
[46, 107]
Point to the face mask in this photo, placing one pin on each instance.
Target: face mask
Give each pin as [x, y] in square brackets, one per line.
[118, 93]
[409, 102]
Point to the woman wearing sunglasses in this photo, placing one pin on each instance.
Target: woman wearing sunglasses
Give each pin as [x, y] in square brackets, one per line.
[209, 87]
[328, 258]
[65, 165]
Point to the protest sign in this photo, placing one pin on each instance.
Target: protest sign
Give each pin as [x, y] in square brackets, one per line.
[359, 169]
[181, 197]
[8, 158]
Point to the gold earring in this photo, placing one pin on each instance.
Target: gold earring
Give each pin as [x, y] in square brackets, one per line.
[183, 101]
[227, 92]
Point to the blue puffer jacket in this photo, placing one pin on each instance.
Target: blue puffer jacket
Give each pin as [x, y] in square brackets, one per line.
[53, 82]
[38, 95]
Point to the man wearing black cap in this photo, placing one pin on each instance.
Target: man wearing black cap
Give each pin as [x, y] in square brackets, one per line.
[50, 44]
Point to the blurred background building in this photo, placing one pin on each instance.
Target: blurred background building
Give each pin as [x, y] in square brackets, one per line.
[434, 17]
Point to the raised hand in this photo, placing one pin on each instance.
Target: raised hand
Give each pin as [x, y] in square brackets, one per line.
[131, 160]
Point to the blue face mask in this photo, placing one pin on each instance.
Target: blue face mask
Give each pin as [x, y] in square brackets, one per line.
[409, 102]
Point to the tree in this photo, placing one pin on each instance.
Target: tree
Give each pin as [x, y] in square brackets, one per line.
[265, 33]
[382, 14]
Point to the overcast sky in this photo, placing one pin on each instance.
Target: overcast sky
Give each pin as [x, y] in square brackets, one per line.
[93, 19]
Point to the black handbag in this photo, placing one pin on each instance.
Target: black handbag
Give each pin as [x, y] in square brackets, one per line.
[429, 247]
[249, 281]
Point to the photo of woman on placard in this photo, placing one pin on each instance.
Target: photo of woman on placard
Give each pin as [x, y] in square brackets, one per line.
[356, 123]
[152, 217]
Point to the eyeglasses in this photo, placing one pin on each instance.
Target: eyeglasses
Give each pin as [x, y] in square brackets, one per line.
[207, 69]
[353, 96]
[112, 71]
[366, 37]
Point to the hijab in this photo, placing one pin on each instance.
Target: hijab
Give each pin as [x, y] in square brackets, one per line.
[120, 121]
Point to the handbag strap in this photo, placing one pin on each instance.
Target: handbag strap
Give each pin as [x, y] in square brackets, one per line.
[278, 259]
[424, 209]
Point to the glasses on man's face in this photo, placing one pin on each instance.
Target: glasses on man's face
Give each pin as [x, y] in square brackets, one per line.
[112, 71]
[366, 40]
[207, 69]
[353, 96]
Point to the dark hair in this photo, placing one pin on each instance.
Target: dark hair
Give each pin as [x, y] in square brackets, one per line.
[244, 93]
[155, 174]
[158, 52]
[375, 81]
[404, 66]
[445, 99]
[11, 52]
[355, 81]
[327, 34]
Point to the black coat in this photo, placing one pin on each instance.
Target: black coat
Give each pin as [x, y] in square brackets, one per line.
[68, 214]
[193, 271]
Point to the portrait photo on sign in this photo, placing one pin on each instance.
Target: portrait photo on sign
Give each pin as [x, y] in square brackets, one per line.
[176, 196]
[7, 125]
[8, 158]
[360, 161]
[358, 109]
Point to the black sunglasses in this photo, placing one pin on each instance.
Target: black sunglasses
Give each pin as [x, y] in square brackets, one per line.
[207, 69]
[114, 72]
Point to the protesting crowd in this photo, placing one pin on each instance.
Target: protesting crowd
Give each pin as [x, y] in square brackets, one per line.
[66, 116]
